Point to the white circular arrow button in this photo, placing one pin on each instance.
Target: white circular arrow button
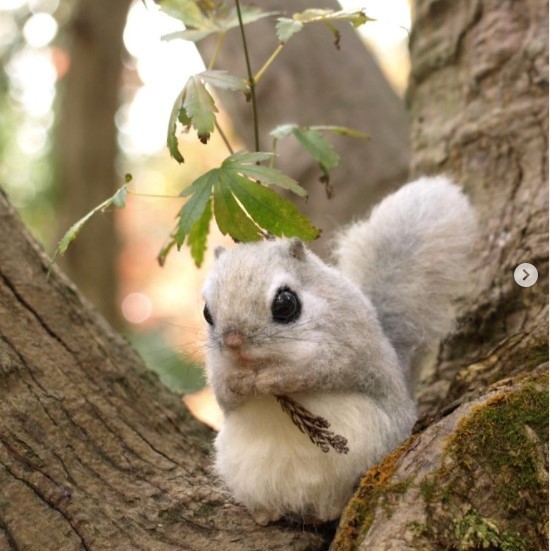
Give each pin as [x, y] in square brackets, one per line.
[526, 274]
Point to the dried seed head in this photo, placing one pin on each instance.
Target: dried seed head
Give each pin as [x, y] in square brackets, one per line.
[314, 426]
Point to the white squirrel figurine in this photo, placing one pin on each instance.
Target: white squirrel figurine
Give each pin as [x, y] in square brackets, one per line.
[341, 341]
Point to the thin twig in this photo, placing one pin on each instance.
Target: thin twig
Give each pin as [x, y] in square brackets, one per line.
[274, 148]
[226, 141]
[221, 37]
[250, 75]
[260, 73]
[152, 195]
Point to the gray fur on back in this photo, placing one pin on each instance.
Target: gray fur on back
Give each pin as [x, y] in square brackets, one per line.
[411, 259]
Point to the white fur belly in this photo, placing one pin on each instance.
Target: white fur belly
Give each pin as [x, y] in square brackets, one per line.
[269, 464]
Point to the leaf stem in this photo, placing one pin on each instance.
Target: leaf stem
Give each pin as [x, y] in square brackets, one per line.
[221, 37]
[250, 75]
[224, 137]
[274, 147]
[152, 195]
[271, 59]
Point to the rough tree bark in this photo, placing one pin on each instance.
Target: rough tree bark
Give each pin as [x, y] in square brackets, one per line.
[94, 452]
[478, 478]
[312, 82]
[479, 105]
[87, 144]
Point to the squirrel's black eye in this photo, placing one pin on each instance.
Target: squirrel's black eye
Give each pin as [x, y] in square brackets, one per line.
[286, 307]
[208, 317]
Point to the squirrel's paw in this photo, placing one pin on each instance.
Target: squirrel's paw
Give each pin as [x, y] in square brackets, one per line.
[272, 381]
[232, 387]
[241, 382]
[264, 516]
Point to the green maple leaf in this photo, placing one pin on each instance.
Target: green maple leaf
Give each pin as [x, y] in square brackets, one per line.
[197, 238]
[243, 206]
[171, 139]
[246, 164]
[224, 81]
[287, 27]
[200, 108]
[268, 210]
[312, 140]
[118, 200]
[200, 192]
[201, 23]
[195, 107]
[231, 218]
[317, 145]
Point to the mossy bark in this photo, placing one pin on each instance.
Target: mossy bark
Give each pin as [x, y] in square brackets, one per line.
[476, 479]
[475, 476]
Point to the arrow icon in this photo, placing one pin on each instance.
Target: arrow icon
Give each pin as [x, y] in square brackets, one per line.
[525, 274]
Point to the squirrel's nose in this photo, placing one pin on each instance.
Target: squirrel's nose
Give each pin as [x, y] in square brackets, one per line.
[233, 339]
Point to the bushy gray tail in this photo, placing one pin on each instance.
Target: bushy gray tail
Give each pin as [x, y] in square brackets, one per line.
[410, 257]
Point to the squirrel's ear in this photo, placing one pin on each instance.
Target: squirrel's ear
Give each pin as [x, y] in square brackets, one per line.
[218, 251]
[296, 248]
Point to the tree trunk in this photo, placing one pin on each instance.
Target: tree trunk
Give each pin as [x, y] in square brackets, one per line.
[94, 452]
[477, 477]
[311, 82]
[479, 104]
[87, 145]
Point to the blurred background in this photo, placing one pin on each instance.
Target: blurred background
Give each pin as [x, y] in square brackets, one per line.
[86, 90]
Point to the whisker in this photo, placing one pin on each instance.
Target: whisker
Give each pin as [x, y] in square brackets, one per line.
[186, 327]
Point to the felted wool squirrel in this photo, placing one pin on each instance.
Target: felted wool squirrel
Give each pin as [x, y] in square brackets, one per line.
[343, 341]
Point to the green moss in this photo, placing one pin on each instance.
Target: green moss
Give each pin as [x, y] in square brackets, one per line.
[539, 355]
[473, 531]
[490, 491]
[469, 531]
[390, 492]
[493, 461]
[496, 436]
[383, 496]
[374, 491]
[428, 489]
